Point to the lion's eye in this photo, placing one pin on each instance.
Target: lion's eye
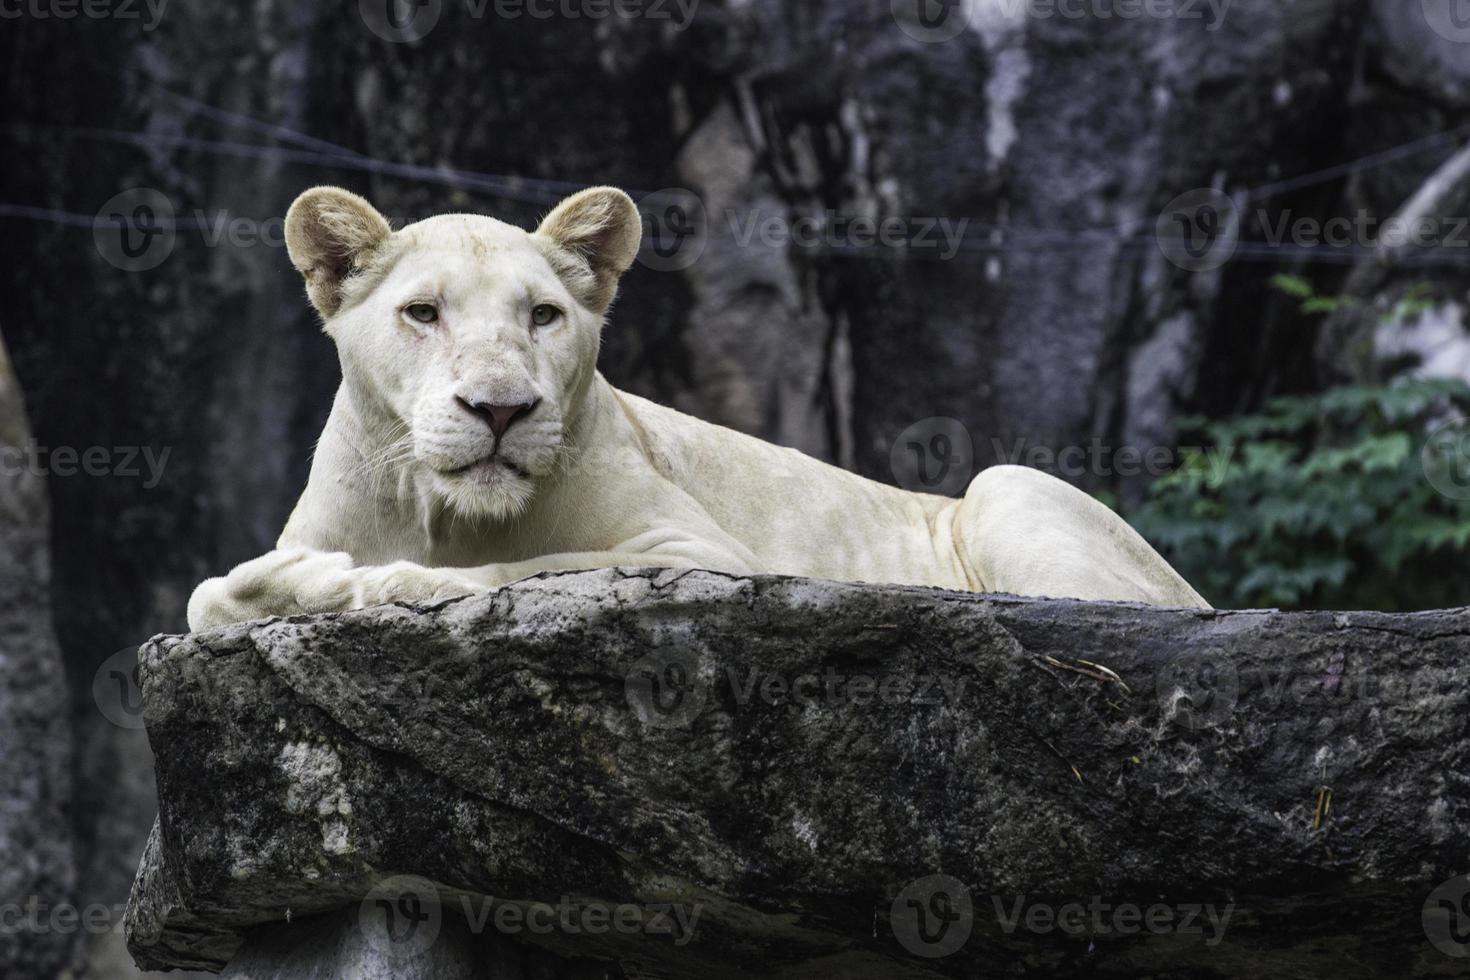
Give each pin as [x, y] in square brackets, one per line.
[423, 312]
[545, 315]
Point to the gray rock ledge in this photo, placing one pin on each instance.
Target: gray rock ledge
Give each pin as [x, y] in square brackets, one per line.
[707, 776]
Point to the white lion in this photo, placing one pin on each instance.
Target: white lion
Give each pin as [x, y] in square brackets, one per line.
[473, 443]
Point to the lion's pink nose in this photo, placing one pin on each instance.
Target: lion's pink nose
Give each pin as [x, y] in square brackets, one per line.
[500, 417]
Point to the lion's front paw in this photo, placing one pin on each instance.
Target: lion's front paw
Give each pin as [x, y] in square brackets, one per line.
[405, 581]
[287, 582]
[211, 605]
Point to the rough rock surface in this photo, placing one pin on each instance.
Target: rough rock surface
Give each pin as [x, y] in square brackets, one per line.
[794, 760]
[36, 855]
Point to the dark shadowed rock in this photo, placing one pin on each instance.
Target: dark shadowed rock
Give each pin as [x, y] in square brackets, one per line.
[819, 779]
[36, 862]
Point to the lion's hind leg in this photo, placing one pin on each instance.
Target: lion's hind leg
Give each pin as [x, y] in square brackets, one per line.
[1028, 533]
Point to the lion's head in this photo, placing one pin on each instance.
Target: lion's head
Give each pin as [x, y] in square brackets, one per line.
[471, 341]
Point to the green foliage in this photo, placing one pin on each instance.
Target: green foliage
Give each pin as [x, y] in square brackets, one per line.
[1293, 285]
[1302, 289]
[1355, 498]
[1416, 300]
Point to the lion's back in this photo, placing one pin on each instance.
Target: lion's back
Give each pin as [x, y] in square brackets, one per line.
[801, 516]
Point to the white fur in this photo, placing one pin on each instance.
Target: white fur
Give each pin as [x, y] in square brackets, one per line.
[398, 508]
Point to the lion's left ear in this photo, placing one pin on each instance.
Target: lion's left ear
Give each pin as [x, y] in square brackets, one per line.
[601, 226]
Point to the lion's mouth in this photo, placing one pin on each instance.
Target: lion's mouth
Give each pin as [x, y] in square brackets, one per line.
[487, 466]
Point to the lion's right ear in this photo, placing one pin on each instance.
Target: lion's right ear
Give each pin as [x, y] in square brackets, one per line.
[330, 233]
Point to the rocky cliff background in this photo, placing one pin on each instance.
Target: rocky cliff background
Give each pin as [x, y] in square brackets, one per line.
[187, 355]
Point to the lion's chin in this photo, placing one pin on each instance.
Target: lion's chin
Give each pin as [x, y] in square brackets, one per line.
[494, 489]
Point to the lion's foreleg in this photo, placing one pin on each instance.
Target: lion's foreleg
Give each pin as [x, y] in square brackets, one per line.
[295, 581]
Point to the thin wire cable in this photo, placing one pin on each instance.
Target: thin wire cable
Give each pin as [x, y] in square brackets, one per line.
[313, 150]
[304, 140]
[503, 187]
[1261, 192]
